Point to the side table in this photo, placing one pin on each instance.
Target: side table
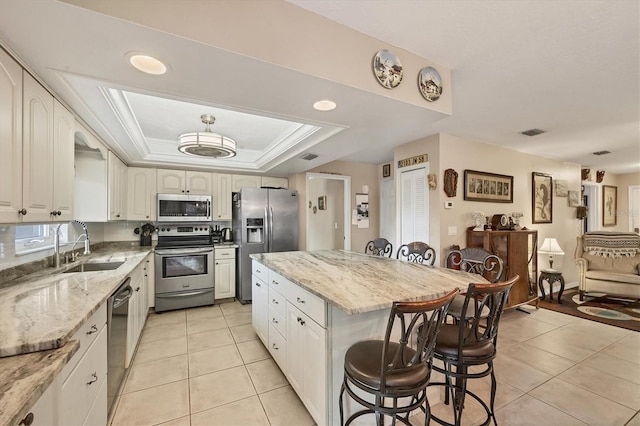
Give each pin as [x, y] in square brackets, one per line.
[551, 276]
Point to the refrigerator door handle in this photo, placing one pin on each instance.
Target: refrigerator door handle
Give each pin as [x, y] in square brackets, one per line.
[270, 229]
[266, 229]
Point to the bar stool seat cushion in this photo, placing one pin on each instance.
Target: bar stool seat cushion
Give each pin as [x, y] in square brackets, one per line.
[362, 362]
[447, 344]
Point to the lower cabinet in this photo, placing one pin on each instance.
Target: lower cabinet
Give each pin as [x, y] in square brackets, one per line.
[44, 410]
[225, 272]
[138, 309]
[80, 392]
[290, 322]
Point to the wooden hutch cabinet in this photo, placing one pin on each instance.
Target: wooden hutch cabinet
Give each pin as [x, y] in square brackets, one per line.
[518, 251]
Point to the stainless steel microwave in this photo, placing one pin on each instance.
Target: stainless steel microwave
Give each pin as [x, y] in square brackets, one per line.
[184, 208]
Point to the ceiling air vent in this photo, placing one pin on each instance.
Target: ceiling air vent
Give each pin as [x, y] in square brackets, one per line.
[601, 152]
[309, 156]
[532, 132]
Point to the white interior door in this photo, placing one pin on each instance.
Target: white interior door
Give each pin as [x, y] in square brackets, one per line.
[387, 210]
[414, 206]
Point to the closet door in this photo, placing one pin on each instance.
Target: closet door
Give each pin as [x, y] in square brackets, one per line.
[415, 206]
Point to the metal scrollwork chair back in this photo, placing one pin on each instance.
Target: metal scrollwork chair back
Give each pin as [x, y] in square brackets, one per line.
[379, 247]
[417, 252]
[476, 261]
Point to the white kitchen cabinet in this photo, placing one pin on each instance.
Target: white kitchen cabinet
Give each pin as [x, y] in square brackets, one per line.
[10, 139]
[274, 182]
[141, 194]
[260, 308]
[63, 159]
[117, 188]
[43, 411]
[244, 181]
[151, 280]
[37, 152]
[137, 311]
[184, 182]
[222, 196]
[80, 383]
[306, 345]
[225, 272]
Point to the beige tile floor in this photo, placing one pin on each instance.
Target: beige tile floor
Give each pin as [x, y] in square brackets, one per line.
[206, 366]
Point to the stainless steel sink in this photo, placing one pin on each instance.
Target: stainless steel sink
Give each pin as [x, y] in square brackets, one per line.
[95, 266]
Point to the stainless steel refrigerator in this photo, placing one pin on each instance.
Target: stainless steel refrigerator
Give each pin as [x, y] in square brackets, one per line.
[264, 221]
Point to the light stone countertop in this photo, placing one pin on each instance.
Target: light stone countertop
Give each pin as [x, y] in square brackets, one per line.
[358, 283]
[40, 312]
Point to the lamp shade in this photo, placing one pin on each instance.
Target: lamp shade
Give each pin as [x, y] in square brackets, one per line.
[550, 246]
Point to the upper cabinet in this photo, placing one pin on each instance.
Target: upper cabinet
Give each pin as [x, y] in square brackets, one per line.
[184, 182]
[36, 150]
[141, 194]
[10, 139]
[117, 188]
[244, 181]
[222, 197]
[275, 182]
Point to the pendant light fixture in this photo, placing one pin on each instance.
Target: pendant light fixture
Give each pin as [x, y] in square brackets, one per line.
[207, 143]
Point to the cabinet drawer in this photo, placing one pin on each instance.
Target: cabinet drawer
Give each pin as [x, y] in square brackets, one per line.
[308, 303]
[279, 283]
[278, 348]
[277, 302]
[78, 392]
[86, 335]
[225, 253]
[260, 271]
[278, 321]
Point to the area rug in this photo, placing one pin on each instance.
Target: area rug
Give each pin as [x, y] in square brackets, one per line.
[616, 311]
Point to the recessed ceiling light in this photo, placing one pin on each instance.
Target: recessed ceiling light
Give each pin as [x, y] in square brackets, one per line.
[147, 64]
[324, 105]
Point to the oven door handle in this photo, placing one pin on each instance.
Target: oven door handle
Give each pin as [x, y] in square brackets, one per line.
[172, 252]
[184, 294]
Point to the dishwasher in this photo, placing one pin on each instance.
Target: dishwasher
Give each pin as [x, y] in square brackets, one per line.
[117, 318]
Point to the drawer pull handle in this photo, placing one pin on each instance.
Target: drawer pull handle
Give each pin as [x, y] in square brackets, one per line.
[300, 300]
[274, 346]
[301, 321]
[92, 330]
[275, 282]
[28, 420]
[94, 378]
[274, 301]
[258, 285]
[273, 320]
[258, 271]
[22, 211]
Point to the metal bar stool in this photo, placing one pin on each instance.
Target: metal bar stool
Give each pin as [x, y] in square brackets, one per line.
[471, 343]
[417, 252]
[379, 247]
[394, 374]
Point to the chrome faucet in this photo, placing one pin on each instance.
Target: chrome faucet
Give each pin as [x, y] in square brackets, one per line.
[56, 243]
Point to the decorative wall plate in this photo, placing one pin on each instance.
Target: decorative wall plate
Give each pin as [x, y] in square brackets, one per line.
[387, 69]
[430, 84]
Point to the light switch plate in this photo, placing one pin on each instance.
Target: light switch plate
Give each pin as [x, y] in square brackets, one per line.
[448, 204]
[452, 230]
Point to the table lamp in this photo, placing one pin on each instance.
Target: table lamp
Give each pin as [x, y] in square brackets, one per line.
[550, 246]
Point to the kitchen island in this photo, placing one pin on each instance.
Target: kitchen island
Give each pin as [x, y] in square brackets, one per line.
[310, 307]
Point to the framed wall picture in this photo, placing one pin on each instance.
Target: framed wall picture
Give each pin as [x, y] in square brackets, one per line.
[386, 170]
[541, 199]
[574, 198]
[609, 205]
[561, 188]
[488, 187]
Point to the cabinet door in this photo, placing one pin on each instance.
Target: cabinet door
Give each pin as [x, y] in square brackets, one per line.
[141, 194]
[222, 196]
[132, 325]
[151, 283]
[275, 182]
[243, 181]
[10, 139]
[117, 187]
[225, 277]
[171, 181]
[43, 410]
[295, 348]
[63, 161]
[314, 352]
[37, 154]
[198, 183]
[260, 309]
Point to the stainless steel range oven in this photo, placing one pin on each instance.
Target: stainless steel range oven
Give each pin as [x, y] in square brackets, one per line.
[184, 267]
